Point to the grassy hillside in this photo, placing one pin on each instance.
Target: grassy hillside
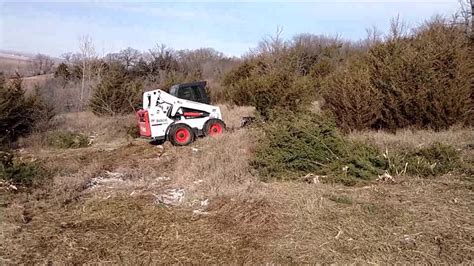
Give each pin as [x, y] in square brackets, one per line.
[10, 64]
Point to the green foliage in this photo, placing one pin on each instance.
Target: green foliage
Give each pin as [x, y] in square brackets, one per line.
[361, 162]
[292, 146]
[67, 140]
[20, 114]
[354, 100]
[283, 75]
[116, 94]
[62, 72]
[434, 160]
[421, 80]
[238, 83]
[268, 87]
[20, 173]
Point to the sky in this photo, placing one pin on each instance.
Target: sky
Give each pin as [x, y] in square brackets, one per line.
[233, 28]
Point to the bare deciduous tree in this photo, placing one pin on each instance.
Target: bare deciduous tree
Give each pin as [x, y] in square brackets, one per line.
[129, 57]
[67, 57]
[373, 36]
[472, 20]
[42, 64]
[271, 44]
[465, 17]
[398, 28]
[87, 53]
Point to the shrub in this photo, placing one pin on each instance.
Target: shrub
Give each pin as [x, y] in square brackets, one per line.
[20, 173]
[116, 94]
[67, 140]
[421, 80]
[425, 79]
[20, 114]
[62, 72]
[349, 93]
[284, 75]
[237, 84]
[268, 87]
[295, 145]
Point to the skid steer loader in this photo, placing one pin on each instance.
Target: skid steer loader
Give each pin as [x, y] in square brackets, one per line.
[180, 115]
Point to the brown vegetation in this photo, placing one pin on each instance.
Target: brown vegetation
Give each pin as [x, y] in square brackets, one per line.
[101, 205]
[11, 65]
[83, 78]
[350, 95]
[421, 80]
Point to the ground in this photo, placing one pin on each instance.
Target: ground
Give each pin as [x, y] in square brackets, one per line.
[123, 200]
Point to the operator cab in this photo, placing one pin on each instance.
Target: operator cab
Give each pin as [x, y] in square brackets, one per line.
[194, 91]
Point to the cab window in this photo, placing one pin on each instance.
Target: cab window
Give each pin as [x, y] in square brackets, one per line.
[186, 93]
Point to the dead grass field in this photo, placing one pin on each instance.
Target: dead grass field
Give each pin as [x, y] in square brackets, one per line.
[11, 64]
[29, 83]
[101, 205]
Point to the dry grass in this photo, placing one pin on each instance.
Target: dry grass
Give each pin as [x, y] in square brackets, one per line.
[9, 66]
[29, 83]
[460, 138]
[73, 220]
[457, 137]
[412, 221]
[100, 128]
[232, 115]
[215, 167]
[97, 128]
[120, 222]
[133, 230]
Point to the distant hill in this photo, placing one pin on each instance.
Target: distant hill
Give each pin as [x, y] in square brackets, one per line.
[13, 55]
[14, 61]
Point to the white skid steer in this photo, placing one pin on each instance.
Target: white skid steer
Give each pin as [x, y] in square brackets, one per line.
[180, 115]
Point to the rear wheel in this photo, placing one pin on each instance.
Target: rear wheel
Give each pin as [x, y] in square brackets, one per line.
[181, 135]
[214, 127]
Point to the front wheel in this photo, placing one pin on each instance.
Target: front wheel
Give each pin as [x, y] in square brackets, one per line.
[214, 127]
[181, 135]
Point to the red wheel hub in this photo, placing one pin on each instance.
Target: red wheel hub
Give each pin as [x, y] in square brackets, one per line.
[215, 129]
[182, 135]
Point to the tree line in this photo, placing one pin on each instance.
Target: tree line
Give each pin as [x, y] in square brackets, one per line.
[420, 77]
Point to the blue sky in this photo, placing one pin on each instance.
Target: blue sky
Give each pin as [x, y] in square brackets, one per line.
[230, 27]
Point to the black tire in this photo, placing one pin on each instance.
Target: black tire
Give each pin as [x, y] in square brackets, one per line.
[181, 135]
[214, 127]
